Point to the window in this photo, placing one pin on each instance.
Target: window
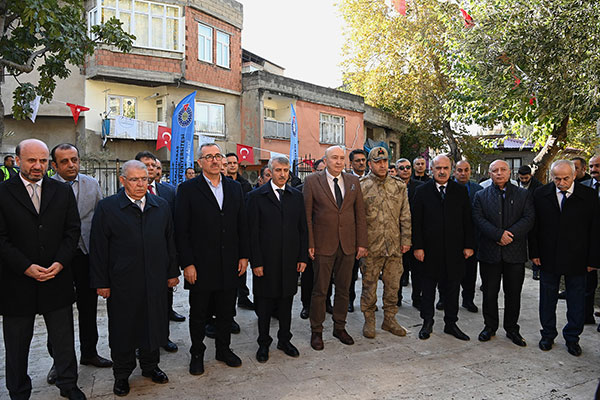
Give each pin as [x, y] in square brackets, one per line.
[514, 164]
[204, 43]
[210, 119]
[222, 49]
[269, 113]
[332, 129]
[122, 105]
[154, 25]
[159, 111]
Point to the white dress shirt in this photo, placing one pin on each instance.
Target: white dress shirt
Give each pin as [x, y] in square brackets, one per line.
[331, 183]
[217, 190]
[143, 200]
[275, 187]
[27, 184]
[559, 195]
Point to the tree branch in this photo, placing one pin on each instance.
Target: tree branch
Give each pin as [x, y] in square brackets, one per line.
[27, 67]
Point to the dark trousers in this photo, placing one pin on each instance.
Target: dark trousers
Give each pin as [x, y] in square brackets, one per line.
[124, 362]
[469, 280]
[511, 276]
[264, 309]
[412, 266]
[224, 308]
[352, 290]
[306, 285]
[591, 282]
[18, 332]
[340, 265]
[243, 292]
[575, 285]
[449, 289]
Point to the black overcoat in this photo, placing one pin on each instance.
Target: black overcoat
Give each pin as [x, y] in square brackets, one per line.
[443, 229]
[211, 239]
[567, 242]
[278, 240]
[133, 253]
[27, 237]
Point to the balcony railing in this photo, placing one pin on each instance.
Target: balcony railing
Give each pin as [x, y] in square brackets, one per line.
[146, 130]
[277, 129]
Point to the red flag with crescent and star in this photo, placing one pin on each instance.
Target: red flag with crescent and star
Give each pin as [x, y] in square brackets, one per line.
[245, 153]
[164, 138]
[76, 109]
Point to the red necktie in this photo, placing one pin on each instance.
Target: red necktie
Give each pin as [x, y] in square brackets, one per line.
[151, 189]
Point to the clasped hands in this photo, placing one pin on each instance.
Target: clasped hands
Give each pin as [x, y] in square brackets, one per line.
[42, 274]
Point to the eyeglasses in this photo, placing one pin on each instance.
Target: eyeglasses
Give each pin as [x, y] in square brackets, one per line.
[136, 180]
[402, 167]
[210, 157]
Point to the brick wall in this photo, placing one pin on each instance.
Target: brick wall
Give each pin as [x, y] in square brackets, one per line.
[137, 61]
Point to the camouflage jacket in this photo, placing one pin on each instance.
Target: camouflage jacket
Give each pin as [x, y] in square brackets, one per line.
[388, 214]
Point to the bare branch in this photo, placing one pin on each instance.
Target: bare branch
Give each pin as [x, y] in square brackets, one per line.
[28, 67]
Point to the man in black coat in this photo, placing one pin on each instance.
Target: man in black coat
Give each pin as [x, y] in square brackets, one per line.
[278, 252]
[564, 241]
[504, 215]
[39, 232]
[212, 242]
[442, 240]
[133, 263]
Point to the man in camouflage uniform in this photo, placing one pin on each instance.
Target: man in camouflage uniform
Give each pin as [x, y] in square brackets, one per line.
[389, 234]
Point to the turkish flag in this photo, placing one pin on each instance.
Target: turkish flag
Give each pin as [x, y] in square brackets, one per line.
[468, 19]
[245, 153]
[76, 109]
[164, 137]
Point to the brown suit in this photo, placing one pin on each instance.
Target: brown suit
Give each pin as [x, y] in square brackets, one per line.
[334, 234]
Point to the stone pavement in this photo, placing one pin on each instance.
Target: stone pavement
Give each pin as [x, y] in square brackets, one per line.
[386, 367]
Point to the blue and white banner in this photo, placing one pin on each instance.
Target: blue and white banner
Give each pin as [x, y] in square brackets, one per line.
[182, 140]
[294, 142]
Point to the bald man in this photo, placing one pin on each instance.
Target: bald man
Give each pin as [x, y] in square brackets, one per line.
[504, 215]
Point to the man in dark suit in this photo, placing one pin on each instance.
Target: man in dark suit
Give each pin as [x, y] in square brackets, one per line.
[65, 161]
[278, 252]
[408, 259]
[133, 262]
[212, 242]
[337, 234]
[442, 240]
[167, 193]
[564, 242]
[504, 215]
[39, 232]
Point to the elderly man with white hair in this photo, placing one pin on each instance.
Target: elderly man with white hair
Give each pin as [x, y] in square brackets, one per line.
[564, 242]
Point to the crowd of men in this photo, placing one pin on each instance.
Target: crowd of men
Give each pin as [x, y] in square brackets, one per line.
[61, 243]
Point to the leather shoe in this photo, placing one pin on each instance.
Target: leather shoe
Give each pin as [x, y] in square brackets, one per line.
[562, 295]
[157, 375]
[229, 358]
[454, 330]
[590, 320]
[262, 355]
[244, 302]
[328, 307]
[96, 361]
[343, 336]
[288, 349]
[350, 307]
[174, 316]
[426, 329]
[316, 341]
[304, 313]
[470, 306]
[546, 344]
[197, 364]
[51, 378]
[536, 275]
[73, 394]
[121, 387]
[574, 348]
[516, 338]
[235, 328]
[486, 334]
[210, 330]
[439, 305]
[170, 346]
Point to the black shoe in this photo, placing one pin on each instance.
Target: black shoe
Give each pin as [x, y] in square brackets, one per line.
[235, 328]
[426, 329]
[210, 330]
[157, 375]
[96, 361]
[454, 330]
[350, 307]
[51, 378]
[262, 355]
[546, 344]
[170, 346]
[590, 320]
[536, 275]
[197, 364]
[399, 302]
[244, 302]
[174, 316]
[598, 328]
[439, 305]
[228, 357]
[328, 307]
[574, 348]
[470, 306]
[73, 394]
[486, 334]
[288, 349]
[404, 281]
[121, 387]
[304, 313]
[516, 338]
[562, 295]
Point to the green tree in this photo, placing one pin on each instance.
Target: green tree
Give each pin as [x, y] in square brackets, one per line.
[535, 66]
[48, 34]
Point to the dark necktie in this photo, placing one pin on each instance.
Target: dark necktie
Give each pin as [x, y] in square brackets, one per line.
[443, 192]
[338, 193]
[564, 198]
[280, 191]
[151, 189]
